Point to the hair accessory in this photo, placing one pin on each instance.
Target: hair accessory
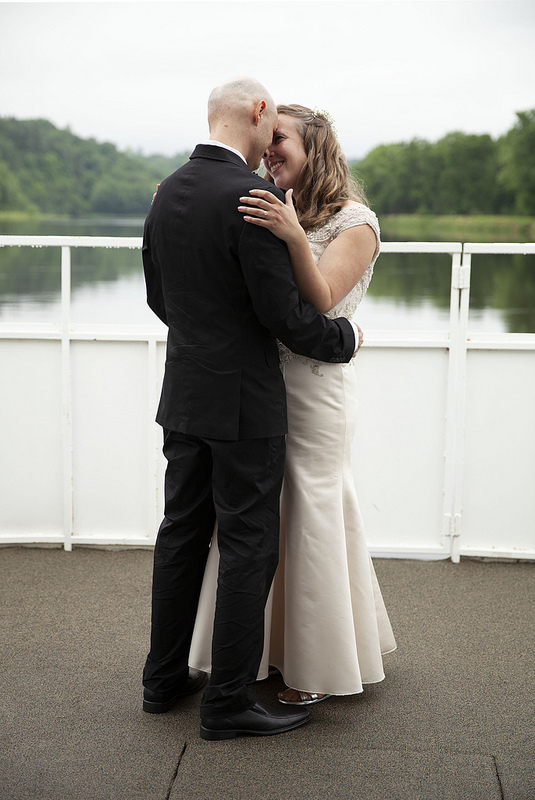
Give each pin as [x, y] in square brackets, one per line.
[320, 112]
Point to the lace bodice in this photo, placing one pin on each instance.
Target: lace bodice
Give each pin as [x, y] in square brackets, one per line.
[319, 239]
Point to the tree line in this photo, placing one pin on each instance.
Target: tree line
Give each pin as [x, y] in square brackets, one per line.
[48, 170]
[459, 174]
[52, 171]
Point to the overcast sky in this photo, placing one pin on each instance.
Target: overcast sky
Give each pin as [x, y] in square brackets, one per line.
[138, 74]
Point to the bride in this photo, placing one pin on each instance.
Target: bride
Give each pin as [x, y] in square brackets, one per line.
[326, 624]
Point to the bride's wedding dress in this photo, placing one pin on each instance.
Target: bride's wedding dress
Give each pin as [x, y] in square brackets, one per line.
[326, 623]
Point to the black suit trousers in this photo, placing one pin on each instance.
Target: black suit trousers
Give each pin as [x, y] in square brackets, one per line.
[237, 484]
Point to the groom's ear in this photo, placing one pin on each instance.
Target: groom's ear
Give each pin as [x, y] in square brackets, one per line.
[259, 111]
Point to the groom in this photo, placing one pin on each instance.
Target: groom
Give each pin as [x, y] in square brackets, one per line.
[226, 291]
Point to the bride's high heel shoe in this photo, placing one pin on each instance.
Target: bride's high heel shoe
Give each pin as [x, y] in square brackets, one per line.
[305, 698]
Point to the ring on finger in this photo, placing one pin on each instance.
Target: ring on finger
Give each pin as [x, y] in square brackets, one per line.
[265, 213]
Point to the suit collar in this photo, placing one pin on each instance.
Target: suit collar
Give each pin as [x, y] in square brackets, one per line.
[217, 153]
[214, 143]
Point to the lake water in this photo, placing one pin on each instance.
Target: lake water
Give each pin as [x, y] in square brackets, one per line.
[408, 291]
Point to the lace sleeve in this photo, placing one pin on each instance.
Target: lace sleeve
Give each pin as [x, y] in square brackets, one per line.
[355, 215]
[349, 217]
[319, 239]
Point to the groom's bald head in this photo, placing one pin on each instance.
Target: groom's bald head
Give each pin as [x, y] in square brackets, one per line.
[243, 115]
[235, 100]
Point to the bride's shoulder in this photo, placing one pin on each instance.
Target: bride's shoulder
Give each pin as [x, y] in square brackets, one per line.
[355, 213]
[354, 207]
[350, 215]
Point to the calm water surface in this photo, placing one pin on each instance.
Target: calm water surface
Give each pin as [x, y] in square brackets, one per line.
[407, 292]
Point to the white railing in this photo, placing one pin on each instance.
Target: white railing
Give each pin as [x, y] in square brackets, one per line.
[444, 452]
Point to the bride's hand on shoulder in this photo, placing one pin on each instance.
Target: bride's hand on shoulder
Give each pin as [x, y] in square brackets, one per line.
[263, 208]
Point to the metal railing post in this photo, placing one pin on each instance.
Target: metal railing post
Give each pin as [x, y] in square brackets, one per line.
[66, 398]
[464, 310]
[456, 403]
[451, 403]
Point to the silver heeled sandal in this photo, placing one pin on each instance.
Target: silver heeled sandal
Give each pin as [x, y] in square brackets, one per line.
[314, 698]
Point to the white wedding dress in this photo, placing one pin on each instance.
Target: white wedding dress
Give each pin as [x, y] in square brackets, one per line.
[326, 623]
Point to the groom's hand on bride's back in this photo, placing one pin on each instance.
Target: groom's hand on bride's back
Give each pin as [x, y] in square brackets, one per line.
[360, 340]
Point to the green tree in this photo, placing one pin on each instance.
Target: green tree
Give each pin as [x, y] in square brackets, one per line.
[466, 176]
[382, 173]
[123, 193]
[11, 195]
[399, 178]
[56, 172]
[456, 175]
[517, 157]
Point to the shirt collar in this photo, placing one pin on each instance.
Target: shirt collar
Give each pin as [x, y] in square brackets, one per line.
[226, 146]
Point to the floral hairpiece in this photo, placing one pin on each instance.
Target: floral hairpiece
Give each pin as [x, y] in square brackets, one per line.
[320, 112]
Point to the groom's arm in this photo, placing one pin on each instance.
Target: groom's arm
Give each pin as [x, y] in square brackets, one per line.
[267, 270]
[152, 281]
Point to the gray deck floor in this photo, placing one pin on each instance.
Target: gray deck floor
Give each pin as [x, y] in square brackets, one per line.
[454, 718]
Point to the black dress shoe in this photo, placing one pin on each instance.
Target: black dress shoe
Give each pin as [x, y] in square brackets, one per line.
[256, 721]
[160, 702]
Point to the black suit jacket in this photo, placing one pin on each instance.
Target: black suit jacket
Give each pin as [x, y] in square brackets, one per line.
[225, 289]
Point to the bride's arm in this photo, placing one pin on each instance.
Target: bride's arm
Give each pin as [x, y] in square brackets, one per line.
[340, 267]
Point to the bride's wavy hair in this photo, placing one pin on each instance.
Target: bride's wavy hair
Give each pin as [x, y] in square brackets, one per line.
[325, 182]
